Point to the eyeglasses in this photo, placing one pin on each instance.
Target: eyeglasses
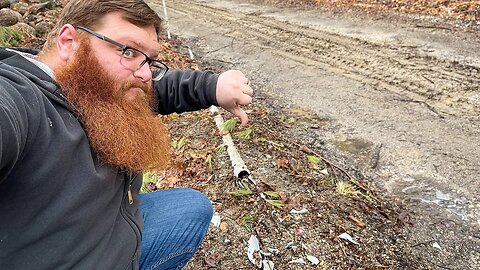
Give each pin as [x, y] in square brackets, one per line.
[131, 58]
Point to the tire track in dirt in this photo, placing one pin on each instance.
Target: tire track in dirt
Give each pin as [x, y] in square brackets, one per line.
[445, 87]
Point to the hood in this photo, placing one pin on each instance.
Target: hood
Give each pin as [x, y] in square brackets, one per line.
[33, 73]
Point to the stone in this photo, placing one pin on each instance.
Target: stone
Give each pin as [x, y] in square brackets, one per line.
[42, 28]
[4, 4]
[51, 3]
[8, 17]
[34, 9]
[20, 7]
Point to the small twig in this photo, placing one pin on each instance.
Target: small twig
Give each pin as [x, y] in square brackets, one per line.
[430, 107]
[433, 26]
[376, 156]
[422, 243]
[331, 164]
[428, 79]
[383, 266]
[218, 49]
[225, 62]
[341, 246]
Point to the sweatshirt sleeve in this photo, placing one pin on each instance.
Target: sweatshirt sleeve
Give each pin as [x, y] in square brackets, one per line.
[185, 90]
[12, 129]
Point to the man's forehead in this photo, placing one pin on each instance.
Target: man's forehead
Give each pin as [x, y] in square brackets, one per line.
[119, 29]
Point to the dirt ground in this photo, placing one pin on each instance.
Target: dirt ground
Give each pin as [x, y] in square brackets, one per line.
[389, 100]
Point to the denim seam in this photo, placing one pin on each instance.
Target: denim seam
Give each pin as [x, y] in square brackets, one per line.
[171, 256]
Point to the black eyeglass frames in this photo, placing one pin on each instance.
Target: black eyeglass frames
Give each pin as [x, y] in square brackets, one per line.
[131, 58]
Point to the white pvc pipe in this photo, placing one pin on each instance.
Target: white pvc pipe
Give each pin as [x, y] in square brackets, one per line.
[239, 168]
[166, 19]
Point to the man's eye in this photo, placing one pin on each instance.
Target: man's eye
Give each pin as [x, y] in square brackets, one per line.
[129, 53]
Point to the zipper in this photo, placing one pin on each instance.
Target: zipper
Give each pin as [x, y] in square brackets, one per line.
[129, 193]
[130, 220]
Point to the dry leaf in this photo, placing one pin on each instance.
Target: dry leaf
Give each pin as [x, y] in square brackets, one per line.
[305, 149]
[282, 163]
[357, 221]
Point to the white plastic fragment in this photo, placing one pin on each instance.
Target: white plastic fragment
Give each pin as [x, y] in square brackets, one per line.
[273, 250]
[267, 265]
[266, 254]
[324, 171]
[216, 220]
[291, 246]
[346, 236]
[297, 261]
[437, 246]
[313, 259]
[253, 251]
[299, 212]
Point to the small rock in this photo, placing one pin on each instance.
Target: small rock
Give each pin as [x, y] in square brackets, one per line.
[20, 7]
[4, 4]
[50, 3]
[42, 28]
[224, 227]
[8, 17]
[34, 9]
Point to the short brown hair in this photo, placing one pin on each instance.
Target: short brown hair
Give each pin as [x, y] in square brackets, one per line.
[88, 13]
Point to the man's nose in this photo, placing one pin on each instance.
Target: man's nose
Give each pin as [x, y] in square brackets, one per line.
[144, 73]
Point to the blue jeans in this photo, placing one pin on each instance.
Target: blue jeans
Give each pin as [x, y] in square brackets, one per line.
[175, 223]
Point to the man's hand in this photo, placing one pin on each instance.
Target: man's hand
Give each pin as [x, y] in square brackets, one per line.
[232, 92]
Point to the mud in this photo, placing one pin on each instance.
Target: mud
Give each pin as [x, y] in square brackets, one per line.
[400, 99]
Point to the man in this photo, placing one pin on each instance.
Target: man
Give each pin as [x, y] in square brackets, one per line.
[77, 130]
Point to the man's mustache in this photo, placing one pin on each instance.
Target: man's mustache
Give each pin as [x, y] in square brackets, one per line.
[144, 86]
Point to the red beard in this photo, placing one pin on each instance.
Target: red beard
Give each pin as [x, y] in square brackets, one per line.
[124, 133]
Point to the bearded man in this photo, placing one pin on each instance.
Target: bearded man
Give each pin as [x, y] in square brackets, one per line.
[77, 129]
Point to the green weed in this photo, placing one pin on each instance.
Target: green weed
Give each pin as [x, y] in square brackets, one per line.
[177, 144]
[9, 37]
[245, 134]
[229, 125]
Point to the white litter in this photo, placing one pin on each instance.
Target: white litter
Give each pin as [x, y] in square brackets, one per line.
[255, 255]
[437, 246]
[346, 236]
[253, 251]
[299, 212]
[216, 220]
[267, 265]
[297, 261]
[313, 259]
[292, 246]
[273, 250]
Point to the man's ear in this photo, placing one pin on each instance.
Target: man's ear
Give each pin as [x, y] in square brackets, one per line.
[67, 42]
